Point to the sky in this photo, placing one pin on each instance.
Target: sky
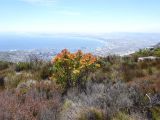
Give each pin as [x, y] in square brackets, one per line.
[79, 16]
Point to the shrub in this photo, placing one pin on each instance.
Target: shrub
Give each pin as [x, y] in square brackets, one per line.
[150, 71]
[148, 52]
[157, 86]
[139, 73]
[23, 66]
[144, 53]
[157, 52]
[156, 113]
[33, 105]
[143, 64]
[109, 98]
[98, 77]
[127, 72]
[92, 114]
[4, 65]
[12, 79]
[1, 81]
[71, 69]
[46, 71]
[122, 116]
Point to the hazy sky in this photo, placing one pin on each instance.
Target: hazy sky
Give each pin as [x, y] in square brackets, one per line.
[80, 16]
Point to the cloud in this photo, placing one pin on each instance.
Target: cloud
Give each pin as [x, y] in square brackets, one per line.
[40, 2]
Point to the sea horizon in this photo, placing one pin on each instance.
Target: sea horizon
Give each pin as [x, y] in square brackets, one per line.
[74, 41]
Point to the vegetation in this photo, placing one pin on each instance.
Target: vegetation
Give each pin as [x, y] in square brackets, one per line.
[71, 69]
[148, 52]
[4, 65]
[81, 86]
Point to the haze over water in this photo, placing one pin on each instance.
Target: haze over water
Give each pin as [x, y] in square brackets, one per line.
[108, 43]
[29, 42]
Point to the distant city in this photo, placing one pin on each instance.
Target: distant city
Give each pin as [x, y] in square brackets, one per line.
[19, 47]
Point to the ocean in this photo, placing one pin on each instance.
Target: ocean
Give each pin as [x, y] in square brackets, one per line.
[104, 44]
[58, 42]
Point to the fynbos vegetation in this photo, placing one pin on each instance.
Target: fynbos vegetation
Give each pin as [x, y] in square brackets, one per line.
[71, 69]
[81, 86]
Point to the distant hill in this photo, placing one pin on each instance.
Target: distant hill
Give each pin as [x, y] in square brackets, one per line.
[157, 45]
[26, 55]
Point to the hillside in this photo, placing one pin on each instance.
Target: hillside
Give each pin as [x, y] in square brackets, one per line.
[157, 46]
[80, 86]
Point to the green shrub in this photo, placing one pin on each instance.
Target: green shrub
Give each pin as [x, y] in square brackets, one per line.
[13, 79]
[139, 73]
[143, 53]
[21, 66]
[127, 72]
[150, 71]
[148, 52]
[156, 113]
[143, 65]
[92, 114]
[4, 65]
[127, 76]
[46, 71]
[99, 76]
[122, 116]
[157, 52]
[1, 83]
[67, 104]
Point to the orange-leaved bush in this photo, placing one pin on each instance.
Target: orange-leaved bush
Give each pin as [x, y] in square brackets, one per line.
[71, 69]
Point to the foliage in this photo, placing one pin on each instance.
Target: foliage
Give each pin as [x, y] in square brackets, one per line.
[45, 71]
[156, 113]
[122, 116]
[148, 52]
[71, 69]
[12, 79]
[4, 65]
[157, 52]
[116, 90]
[109, 98]
[35, 104]
[23, 66]
[1, 82]
[92, 114]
